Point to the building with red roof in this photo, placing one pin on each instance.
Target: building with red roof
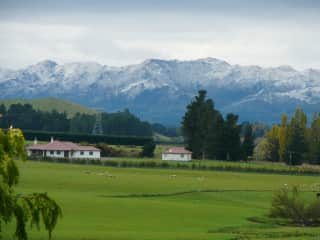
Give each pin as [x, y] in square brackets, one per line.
[59, 149]
[177, 154]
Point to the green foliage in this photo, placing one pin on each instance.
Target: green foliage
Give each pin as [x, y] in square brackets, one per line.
[314, 140]
[89, 138]
[125, 124]
[148, 149]
[292, 143]
[288, 204]
[207, 134]
[207, 165]
[296, 146]
[248, 142]
[25, 117]
[21, 207]
[273, 144]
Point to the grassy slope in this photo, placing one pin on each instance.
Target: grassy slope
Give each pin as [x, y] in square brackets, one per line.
[90, 211]
[48, 104]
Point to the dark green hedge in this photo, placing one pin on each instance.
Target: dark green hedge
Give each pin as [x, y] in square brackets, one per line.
[89, 138]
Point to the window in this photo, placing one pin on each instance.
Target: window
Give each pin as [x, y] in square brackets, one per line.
[91, 153]
[81, 153]
[51, 152]
[182, 155]
[58, 152]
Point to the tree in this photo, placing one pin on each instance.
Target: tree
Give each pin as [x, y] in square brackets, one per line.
[148, 149]
[248, 142]
[19, 207]
[195, 124]
[296, 146]
[314, 140]
[282, 137]
[262, 150]
[273, 143]
[231, 138]
[207, 134]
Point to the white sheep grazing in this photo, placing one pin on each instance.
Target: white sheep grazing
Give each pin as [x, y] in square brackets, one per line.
[173, 176]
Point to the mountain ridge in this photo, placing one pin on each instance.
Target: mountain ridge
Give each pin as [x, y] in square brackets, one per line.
[158, 90]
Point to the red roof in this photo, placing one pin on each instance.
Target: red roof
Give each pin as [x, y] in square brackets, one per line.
[177, 150]
[62, 146]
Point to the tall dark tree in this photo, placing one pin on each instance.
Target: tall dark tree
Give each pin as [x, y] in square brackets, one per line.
[231, 138]
[296, 146]
[248, 142]
[3, 112]
[196, 123]
[314, 140]
[215, 144]
[148, 149]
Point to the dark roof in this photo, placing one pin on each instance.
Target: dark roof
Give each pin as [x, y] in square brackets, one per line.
[178, 150]
[62, 146]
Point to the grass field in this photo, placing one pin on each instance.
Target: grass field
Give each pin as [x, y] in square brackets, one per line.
[49, 104]
[129, 203]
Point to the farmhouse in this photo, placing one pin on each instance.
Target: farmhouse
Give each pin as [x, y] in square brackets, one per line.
[59, 149]
[177, 154]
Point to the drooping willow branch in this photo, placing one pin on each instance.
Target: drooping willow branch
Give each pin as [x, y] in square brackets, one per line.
[36, 207]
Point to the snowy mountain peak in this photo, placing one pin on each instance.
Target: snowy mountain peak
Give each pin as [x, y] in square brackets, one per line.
[159, 90]
[49, 64]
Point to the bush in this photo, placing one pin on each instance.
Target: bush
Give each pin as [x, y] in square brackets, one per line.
[287, 204]
[148, 149]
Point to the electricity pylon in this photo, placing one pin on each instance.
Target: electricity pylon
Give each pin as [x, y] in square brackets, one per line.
[97, 127]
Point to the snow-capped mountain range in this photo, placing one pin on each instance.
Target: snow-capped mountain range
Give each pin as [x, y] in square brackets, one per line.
[159, 90]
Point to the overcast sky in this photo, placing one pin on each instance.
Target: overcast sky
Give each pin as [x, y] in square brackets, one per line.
[121, 32]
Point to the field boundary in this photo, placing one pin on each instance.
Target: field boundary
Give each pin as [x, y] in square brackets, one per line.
[169, 194]
[303, 171]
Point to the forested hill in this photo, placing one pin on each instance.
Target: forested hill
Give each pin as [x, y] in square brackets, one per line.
[24, 116]
[49, 104]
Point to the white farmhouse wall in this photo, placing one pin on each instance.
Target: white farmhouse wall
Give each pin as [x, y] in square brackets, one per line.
[86, 154]
[176, 157]
[55, 154]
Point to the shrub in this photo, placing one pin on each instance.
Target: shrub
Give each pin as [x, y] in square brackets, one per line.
[148, 149]
[287, 204]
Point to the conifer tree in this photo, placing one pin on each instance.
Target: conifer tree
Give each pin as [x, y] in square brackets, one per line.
[195, 125]
[282, 137]
[296, 146]
[314, 140]
[248, 142]
[231, 138]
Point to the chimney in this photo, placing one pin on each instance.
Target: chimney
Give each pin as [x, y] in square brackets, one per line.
[35, 141]
[51, 140]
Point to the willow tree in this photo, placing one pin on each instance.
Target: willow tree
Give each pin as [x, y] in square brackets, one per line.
[19, 208]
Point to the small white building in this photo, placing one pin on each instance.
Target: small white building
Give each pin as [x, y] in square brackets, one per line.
[177, 154]
[59, 149]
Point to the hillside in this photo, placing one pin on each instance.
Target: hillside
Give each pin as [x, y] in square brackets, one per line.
[159, 90]
[49, 104]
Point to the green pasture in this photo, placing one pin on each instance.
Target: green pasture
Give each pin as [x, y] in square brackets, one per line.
[129, 203]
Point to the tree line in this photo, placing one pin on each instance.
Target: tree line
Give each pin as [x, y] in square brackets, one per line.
[293, 142]
[23, 116]
[211, 136]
